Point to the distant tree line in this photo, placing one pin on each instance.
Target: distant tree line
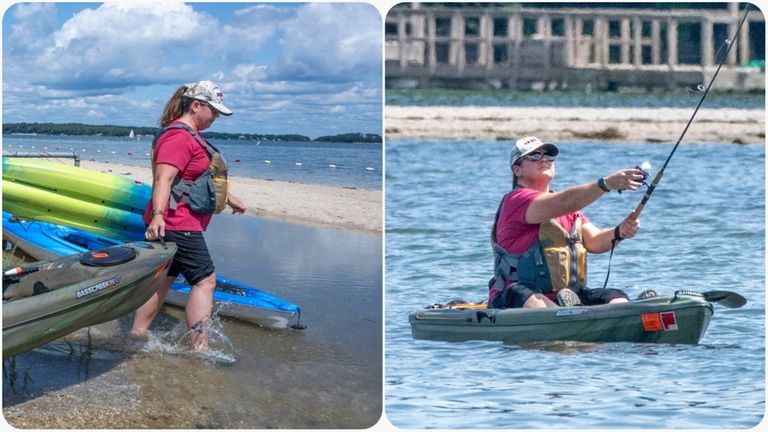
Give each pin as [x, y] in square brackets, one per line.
[124, 131]
[351, 137]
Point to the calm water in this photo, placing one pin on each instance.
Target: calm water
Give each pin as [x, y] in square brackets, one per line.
[703, 229]
[326, 376]
[679, 98]
[354, 165]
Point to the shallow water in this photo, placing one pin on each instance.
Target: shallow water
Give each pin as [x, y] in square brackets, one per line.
[682, 98]
[326, 376]
[703, 229]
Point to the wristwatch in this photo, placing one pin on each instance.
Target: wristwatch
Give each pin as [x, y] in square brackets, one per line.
[601, 185]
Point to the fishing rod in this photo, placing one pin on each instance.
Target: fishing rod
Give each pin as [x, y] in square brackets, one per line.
[730, 43]
[649, 191]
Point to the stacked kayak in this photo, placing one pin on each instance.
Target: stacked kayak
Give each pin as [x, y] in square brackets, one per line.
[46, 241]
[47, 300]
[97, 202]
[680, 319]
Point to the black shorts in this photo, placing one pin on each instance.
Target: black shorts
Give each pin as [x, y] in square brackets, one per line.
[192, 258]
[515, 295]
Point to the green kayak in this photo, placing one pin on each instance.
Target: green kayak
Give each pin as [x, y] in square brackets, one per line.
[47, 300]
[681, 319]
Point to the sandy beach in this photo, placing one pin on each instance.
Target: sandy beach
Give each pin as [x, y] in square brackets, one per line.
[653, 125]
[339, 207]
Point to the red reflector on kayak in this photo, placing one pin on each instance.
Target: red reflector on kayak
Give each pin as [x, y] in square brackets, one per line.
[659, 321]
[668, 320]
[652, 322]
[99, 255]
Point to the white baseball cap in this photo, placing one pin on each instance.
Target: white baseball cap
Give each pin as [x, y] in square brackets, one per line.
[527, 145]
[208, 91]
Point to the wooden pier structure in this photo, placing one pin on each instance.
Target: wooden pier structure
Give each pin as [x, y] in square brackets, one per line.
[570, 48]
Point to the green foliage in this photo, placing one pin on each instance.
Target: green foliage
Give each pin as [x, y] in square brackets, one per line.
[351, 137]
[123, 131]
[74, 129]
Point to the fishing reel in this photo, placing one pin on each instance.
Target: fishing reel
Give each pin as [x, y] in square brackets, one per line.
[644, 168]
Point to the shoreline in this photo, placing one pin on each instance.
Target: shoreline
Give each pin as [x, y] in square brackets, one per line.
[650, 125]
[308, 204]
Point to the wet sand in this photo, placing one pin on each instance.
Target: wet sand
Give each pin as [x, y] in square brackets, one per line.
[653, 125]
[338, 207]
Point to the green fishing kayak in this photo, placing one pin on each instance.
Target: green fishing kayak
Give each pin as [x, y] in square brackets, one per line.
[680, 319]
[47, 300]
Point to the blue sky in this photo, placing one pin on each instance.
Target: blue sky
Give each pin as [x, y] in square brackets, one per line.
[312, 68]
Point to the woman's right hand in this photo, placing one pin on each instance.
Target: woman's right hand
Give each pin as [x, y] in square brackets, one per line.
[156, 228]
[627, 179]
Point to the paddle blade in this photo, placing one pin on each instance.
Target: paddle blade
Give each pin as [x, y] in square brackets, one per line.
[728, 299]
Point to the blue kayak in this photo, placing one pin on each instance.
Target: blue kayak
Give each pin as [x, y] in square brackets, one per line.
[47, 241]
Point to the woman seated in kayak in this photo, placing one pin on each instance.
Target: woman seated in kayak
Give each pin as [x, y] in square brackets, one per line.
[540, 238]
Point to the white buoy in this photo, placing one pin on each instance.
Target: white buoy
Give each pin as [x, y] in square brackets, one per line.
[369, 168]
[331, 166]
[267, 161]
[298, 163]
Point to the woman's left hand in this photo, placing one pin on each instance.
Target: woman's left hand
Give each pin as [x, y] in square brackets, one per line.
[236, 205]
[629, 227]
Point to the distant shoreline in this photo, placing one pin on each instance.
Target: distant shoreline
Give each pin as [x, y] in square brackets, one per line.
[81, 129]
[650, 125]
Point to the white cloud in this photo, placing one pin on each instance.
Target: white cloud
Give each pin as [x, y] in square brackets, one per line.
[138, 39]
[331, 40]
[281, 67]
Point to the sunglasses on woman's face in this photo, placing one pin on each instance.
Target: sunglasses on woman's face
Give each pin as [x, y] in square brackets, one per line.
[213, 110]
[535, 157]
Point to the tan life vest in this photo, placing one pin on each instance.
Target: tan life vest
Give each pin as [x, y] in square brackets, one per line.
[207, 193]
[565, 255]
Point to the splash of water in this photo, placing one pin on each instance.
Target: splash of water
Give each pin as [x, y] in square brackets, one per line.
[178, 341]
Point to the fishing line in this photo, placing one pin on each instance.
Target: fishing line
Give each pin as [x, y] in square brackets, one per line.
[728, 43]
[649, 191]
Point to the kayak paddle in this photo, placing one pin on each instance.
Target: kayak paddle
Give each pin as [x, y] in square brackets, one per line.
[728, 299]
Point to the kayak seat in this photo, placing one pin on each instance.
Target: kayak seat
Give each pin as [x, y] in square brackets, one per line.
[107, 257]
[45, 281]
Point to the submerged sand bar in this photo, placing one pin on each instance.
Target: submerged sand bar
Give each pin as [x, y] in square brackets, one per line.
[721, 125]
[339, 207]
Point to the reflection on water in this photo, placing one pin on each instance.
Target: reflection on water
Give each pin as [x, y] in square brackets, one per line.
[326, 376]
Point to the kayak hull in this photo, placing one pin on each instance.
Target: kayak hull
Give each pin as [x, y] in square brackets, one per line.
[96, 294]
[47, 241]
[46, 205]
[682, 319]
[79, 183]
